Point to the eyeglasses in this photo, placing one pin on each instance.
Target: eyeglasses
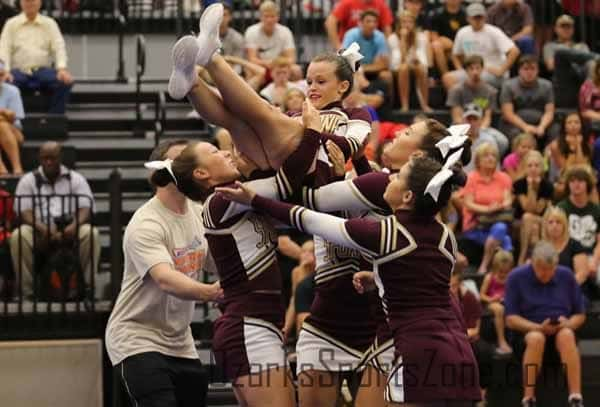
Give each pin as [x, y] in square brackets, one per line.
[566, 25]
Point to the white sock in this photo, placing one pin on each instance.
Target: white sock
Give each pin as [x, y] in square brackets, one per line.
[575, 396]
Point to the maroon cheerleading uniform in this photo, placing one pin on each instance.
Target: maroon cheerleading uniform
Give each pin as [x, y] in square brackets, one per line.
[339, 316]
[413, 257]
[242, 244]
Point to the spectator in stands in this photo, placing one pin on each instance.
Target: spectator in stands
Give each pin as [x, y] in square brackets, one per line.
[232, 42]
[521, 145]
[564, 29]
[11, 113]
[492, 294]
[346, 15]
[281, 70]
[373, 46]
[304, 269]
[370, 93]
[33, 49]
[411, 53]
[582, 213]
[445, 22]
[7, 216]
[292, 102]
[589, 99]
[268, 40]
[515, 18]
[533, 193]
[544, 305]
[473, 90]
[473, 115]
[304, 296]
[571, 254]
[498, 51]
[570, 148]
[487, 205]
[416, 8]
[43, 215]
[527, 102]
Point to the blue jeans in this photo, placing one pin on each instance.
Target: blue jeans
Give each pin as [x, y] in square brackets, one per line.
[498, 232]
[44, 79]
[526, 45]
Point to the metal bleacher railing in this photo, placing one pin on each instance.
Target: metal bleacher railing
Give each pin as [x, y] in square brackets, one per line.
[62, 300]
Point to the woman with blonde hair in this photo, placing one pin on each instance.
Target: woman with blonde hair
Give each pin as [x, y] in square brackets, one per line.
[410, 52]
[487, 205]
[555, 229]
[533, 193]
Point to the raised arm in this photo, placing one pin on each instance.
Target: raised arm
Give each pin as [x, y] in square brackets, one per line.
[359, 234]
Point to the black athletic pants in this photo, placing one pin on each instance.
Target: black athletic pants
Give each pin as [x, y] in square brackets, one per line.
[152, 379]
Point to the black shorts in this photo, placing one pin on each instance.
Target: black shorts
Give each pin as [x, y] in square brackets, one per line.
[551, 355]
[152, 379]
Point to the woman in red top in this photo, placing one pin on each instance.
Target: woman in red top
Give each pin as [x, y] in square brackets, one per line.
[488, 192]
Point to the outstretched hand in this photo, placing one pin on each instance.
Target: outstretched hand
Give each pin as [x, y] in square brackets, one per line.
[364, 281]
[240, 193]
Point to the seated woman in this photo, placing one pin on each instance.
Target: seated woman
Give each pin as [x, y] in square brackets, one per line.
[512, 163]
[533, 193]
[555, 229]
[410, 53]
[570, 148]
[487, 205]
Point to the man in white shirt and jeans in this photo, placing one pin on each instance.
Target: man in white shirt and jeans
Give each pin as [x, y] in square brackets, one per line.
[33, 49]
[498, 51]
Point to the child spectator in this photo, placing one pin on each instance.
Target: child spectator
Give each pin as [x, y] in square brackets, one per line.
[532, 194]
[275, 91]
[410, 52]
[522, 144]
[292, 101]
[492, 294]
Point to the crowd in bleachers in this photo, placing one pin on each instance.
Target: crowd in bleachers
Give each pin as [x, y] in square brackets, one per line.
[533, 175]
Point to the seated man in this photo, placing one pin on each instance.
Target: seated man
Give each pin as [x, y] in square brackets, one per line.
[473, 90]
[515, 18]
[544, 305]
[267, 40]
[11, 113]
[473, 116]
[498, 51]
[527, 102]
[565, 31]
[41, 214]
[33, 49]
[373, 46]
[345, 16]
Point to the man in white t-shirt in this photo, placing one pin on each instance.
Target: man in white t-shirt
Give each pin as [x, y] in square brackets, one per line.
[499, 52]
[268, 40]
[148, 336]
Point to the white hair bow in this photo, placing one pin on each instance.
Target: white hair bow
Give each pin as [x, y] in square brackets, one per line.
[457, 138]
[160, 165]
[437, 182]
[352, 55]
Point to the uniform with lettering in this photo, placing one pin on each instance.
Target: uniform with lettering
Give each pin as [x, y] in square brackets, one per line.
[413, 258]
[247, 337]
